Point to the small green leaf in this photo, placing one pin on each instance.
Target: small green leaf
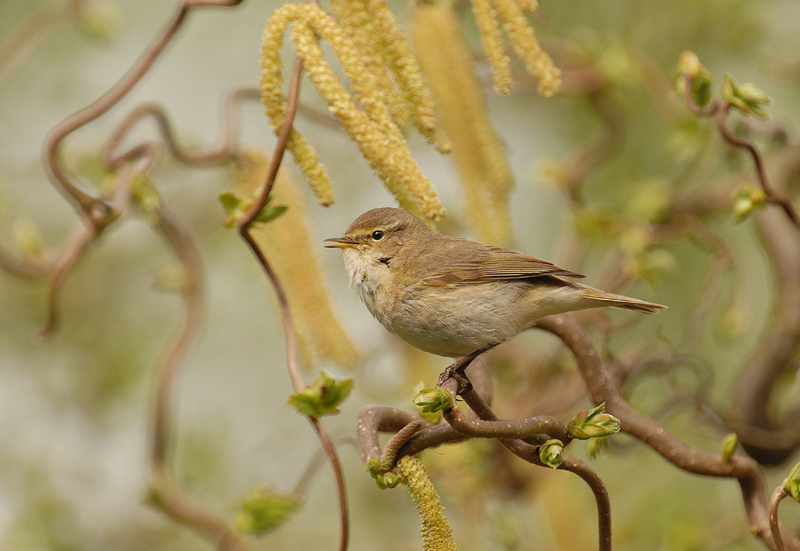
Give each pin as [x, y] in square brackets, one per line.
[551, 453]
[689, 65]
[792, 483]
[145, 194]
[748, 97]
[236, 208]
[229, 202]
[263, 509]
[322, 397]
[270, 213]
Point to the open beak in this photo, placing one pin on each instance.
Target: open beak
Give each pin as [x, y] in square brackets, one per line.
[341, 243]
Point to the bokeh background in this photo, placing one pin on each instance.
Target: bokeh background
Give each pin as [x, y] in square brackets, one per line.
[73, 409]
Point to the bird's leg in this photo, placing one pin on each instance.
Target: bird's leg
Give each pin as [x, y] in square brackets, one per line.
[457, 370]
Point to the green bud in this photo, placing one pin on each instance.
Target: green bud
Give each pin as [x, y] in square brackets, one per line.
[593, 423]
[729, 445]
[431, 400]
[99, 19]
[689, 65]
[550, 453]
[384, 480]
[263, 509]
[322, 397]
[390, 479]
[373, 466]
[747, 198]
[792, 483]
[748, 97]
[432, 417]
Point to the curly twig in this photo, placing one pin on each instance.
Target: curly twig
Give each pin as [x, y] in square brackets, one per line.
[720, 110]
[774, 526]
[87, 201]
[603, 388]
[164, 492]
[290, 336]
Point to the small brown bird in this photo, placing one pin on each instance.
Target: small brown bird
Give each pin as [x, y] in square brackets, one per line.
[453, 297]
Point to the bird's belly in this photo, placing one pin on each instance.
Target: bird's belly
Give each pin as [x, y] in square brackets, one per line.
[457, 320]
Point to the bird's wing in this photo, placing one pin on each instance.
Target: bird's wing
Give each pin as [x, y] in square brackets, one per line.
[482, 264]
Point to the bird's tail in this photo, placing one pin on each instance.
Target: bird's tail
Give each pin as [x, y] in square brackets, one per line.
[619, 301]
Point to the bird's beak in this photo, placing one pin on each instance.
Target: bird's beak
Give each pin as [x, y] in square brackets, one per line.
[341, 243]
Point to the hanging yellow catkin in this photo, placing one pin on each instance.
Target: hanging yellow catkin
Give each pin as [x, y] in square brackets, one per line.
[477, 150]
[369, 122]
[275, 106]
[492, 39]
[360, 26]
[397, 55]
[523, 39]
[293, 251]
[436, 533]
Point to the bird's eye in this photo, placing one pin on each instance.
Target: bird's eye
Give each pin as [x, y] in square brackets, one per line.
[377, 235]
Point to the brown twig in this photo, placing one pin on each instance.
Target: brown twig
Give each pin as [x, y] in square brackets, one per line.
[720, 110]
[774, 526]
[602, 500]
[69, 258]
[289, 330]
[74, 250]
[529, 452]
[87, 201]
[164, 493]
[603, 388]
[224, 149]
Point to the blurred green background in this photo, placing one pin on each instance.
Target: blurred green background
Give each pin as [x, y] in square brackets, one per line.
[73, 409]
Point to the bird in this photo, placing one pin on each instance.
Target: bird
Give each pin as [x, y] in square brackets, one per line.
[454, 297]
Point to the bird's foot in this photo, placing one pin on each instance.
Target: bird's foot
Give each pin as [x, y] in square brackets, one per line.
[457, 371]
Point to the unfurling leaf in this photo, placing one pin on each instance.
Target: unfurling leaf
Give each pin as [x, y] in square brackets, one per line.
[322, 397]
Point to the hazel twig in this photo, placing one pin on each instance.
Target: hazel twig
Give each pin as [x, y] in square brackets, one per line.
[243, 228]
[164, 492]
[774, 525]
[720, 110]
[603, 389]
[89, 203]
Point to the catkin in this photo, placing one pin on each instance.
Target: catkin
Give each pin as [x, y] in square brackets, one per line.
[436, 533]
[289, 244]
[478, 153]
[364, 115]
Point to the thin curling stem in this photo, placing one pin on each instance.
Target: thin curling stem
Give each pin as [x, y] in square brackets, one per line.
[164, 492]
[288, 323]
[774, 524]
[720, 110]
[389, 454]
[600, 492]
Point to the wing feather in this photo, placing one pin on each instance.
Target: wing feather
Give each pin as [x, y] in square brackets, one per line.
[477, 263]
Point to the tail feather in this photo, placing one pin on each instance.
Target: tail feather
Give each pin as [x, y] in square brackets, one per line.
[619, 301]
